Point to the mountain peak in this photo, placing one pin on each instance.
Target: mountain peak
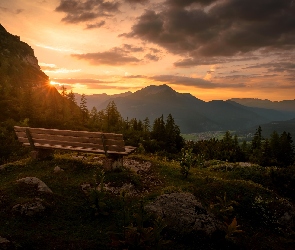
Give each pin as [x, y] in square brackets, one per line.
[156, 89]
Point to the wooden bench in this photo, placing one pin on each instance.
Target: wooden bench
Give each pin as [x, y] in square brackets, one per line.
[44, 141]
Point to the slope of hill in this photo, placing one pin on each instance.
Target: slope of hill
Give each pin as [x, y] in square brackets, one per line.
[96, 99]
[190, 113]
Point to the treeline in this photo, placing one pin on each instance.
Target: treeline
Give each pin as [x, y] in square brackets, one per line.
[162, 136]
[278, 150]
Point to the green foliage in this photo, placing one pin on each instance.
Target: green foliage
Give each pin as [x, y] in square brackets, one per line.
[224, 205]
[97, 196]
[187, 161]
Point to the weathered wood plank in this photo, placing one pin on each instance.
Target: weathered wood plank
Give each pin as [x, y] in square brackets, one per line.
[59, 139]
[74, 140]
[69, 133]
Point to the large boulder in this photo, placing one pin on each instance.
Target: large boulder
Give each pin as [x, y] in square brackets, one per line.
[184, 214]
[41, 186]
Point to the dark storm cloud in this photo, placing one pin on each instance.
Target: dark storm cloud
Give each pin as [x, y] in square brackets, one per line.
[96, 25]
[188, 62]
[193, 82]
[194, 29]
[202, 60]
[137, 1]
[276, 67]
[155, 50]
[152, 57]
[78, 11]
[184, 3]
[116, 56]
[131, 48]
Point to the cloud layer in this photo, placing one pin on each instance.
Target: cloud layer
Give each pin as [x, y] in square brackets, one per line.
[199, 29]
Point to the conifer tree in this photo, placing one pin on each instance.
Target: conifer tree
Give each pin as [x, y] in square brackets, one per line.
[286, 152]
[71, 97]
[83, 107]
[113, 118]
[146, 124]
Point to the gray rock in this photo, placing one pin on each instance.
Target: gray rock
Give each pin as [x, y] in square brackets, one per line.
[57, 169]
[184, 214]
[30, 208]
[41, 186]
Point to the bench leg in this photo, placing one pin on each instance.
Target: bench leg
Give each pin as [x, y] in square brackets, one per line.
[112, 162]
[41, 154]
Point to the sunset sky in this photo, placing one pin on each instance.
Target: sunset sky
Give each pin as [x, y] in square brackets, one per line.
[213, 49]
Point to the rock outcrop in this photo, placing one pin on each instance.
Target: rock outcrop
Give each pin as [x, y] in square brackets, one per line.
[41, 186]
[184, 214]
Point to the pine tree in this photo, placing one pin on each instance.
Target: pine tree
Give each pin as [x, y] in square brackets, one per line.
[93, 118]
[83, 107]
[64, 91]
[146, 124]
[256, 153]
[286, 152]
[113, 118]
[256, 142]
[158, 132]
[71, 97]
[174, 141]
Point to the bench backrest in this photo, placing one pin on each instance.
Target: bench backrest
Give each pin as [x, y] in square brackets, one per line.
[69, 139]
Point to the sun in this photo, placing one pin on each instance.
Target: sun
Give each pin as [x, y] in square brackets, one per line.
[53, 83]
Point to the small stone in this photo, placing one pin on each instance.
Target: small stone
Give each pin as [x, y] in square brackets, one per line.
[57, 169]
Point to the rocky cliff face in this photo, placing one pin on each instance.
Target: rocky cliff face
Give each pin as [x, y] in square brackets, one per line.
[12, 46]
[18, 65]
[31, 60]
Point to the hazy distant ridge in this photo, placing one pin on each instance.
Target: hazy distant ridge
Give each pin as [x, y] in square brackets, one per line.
[189, 112]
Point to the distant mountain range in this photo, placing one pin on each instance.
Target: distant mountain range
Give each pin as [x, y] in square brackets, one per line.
[192, 114]
[285, 106]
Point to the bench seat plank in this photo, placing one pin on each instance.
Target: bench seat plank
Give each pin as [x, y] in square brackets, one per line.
[83, 141]
[73, 133]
